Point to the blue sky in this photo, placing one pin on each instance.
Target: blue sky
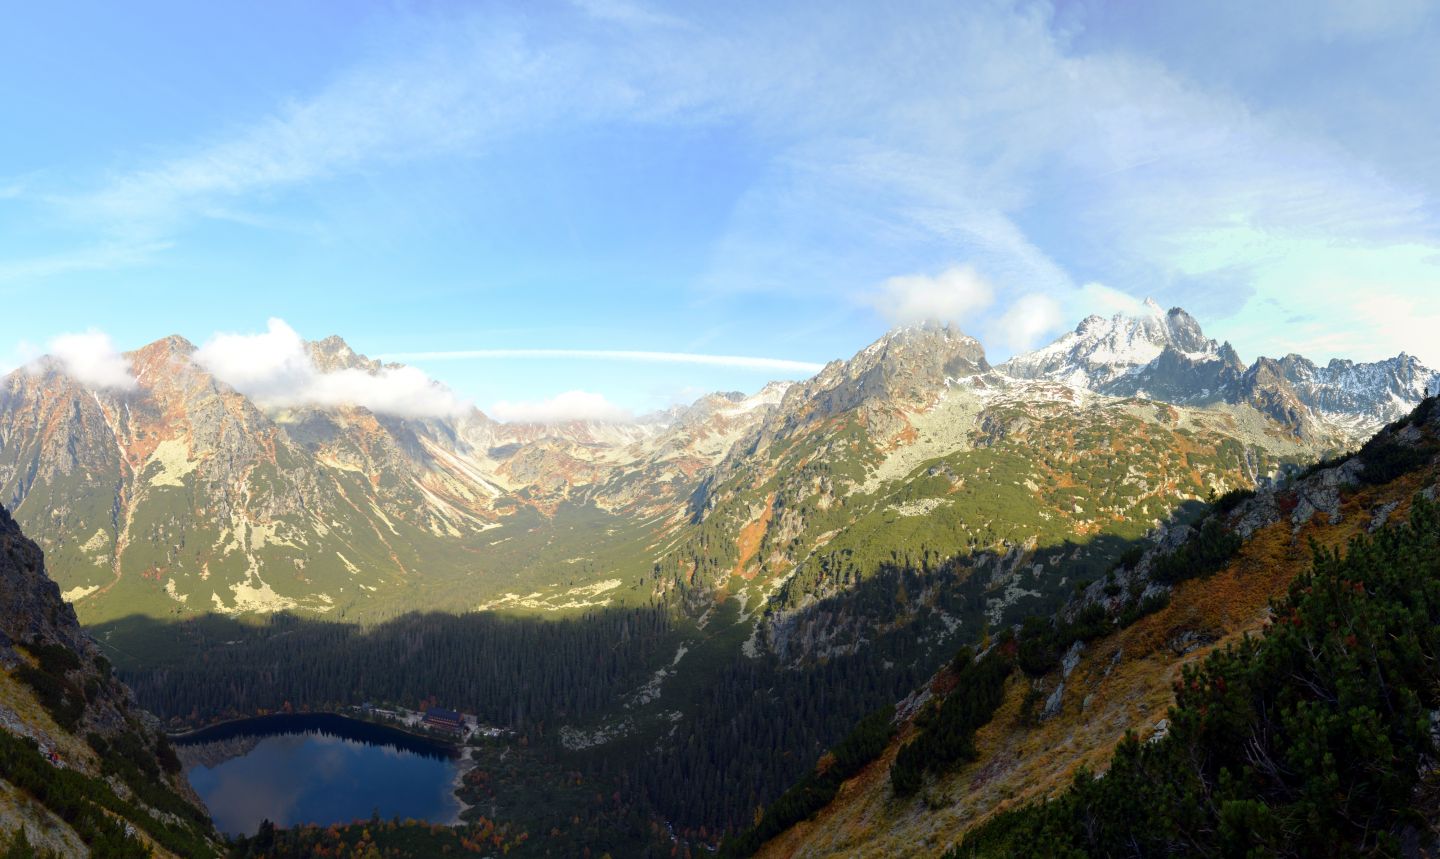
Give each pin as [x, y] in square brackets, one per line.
[777, 181]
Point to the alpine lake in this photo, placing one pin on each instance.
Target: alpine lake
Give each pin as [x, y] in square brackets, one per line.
[318, 769]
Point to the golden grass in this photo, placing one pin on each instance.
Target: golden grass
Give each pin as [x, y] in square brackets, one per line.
[17, 697]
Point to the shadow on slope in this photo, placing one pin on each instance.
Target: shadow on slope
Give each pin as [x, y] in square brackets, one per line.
[516, 671]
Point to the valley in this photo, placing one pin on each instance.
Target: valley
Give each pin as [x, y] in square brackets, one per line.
[617, 429]
[723, 590]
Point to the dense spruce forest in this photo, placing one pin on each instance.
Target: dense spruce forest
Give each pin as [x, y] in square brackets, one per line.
[760, 723]
[507, 670]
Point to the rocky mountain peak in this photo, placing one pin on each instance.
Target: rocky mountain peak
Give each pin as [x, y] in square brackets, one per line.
[930, 349]
[162, 359]
[1100, 351]
[1184, 333]
[333, 354]
[908, 367]
[173, 344]
[1362, 393]
[1229, 355]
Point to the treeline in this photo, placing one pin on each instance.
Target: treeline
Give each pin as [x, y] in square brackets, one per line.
[49, 679]
[377, 838]
[513, 671]
[1204, 553]
[1313, 739]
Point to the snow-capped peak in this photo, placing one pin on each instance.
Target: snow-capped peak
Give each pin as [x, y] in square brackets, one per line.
[1102, 350]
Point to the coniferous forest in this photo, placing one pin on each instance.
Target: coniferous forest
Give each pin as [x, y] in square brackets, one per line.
[509, 671]
[1308, 740]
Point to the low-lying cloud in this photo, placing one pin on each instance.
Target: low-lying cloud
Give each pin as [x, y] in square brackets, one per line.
[953, 296]
[1028, 320]
[275, 370]
[561, 408]
[91, 359]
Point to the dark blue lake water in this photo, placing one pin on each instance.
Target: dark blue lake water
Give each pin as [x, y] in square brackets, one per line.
[323, 769]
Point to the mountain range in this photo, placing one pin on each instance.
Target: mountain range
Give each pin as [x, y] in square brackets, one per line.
[777, 564]
[1165, 356]
[184, 496]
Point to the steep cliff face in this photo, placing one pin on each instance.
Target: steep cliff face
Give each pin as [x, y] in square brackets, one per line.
[907, 369]
[82, 770]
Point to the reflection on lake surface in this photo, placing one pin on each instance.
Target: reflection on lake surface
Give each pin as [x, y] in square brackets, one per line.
[319, 769]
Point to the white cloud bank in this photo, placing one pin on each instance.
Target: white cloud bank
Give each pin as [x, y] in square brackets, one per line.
[1028, 320]
[962, 296]
[1103, 300]
[92, 360]
[954, 295]
[568, 406]
[275, 370]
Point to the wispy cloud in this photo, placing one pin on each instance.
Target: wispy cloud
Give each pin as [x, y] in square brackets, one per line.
[743, 362]
[96, 258]
[1029, 319]
[1011, 136]
[953, 295]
